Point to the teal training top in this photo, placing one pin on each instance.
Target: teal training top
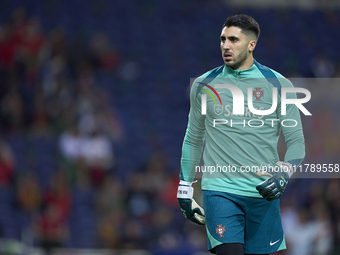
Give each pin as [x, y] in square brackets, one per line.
[236, 145]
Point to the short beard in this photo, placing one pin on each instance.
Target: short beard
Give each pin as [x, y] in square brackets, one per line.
[239, 61]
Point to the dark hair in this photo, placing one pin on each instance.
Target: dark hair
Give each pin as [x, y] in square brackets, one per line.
[245, 22]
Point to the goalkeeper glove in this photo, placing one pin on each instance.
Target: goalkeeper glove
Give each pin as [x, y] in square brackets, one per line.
[273, 187]
[190, 209]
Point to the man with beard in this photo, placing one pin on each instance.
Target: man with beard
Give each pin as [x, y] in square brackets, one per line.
[242, 176]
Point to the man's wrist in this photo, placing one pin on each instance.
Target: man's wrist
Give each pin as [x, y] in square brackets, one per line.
[185, 191]
[185, 183]
[287, 169]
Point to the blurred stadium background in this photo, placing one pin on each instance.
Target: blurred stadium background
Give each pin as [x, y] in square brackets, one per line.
[94, 104]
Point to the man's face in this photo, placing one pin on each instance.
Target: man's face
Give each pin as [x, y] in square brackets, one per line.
[236, 48]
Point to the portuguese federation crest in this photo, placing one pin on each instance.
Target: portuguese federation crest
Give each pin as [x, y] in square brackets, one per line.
[220, 230]
[258, 93]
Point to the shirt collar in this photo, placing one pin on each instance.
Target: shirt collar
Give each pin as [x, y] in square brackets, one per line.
[239, 73]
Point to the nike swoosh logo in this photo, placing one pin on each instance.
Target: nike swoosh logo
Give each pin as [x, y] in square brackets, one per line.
[271, 244]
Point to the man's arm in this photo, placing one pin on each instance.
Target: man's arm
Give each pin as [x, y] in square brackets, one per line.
[191, 155]
[273, 187]
[293, 135]
[194, 137]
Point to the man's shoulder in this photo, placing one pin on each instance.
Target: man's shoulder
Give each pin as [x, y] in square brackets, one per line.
[206, 77]
[270, 73]
[267, 71]
[212, 73]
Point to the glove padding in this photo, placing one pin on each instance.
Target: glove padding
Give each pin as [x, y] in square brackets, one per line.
[274, 187]
[190, 209]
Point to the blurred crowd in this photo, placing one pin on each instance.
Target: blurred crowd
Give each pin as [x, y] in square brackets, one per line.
[49, 93]
[65, 144]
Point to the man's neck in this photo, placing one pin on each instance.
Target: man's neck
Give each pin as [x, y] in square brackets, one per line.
[248, 63]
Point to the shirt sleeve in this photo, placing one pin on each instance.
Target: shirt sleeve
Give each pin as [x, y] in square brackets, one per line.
[292, 129]
[194, 137]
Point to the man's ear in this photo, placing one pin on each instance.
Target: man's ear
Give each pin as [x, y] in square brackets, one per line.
[251, 45]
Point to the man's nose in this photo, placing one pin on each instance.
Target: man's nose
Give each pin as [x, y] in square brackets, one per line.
[226, 45]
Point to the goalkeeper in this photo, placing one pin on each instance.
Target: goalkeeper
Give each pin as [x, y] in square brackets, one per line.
[241, 209]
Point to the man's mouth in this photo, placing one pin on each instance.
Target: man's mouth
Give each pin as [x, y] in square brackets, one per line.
[227, 56]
